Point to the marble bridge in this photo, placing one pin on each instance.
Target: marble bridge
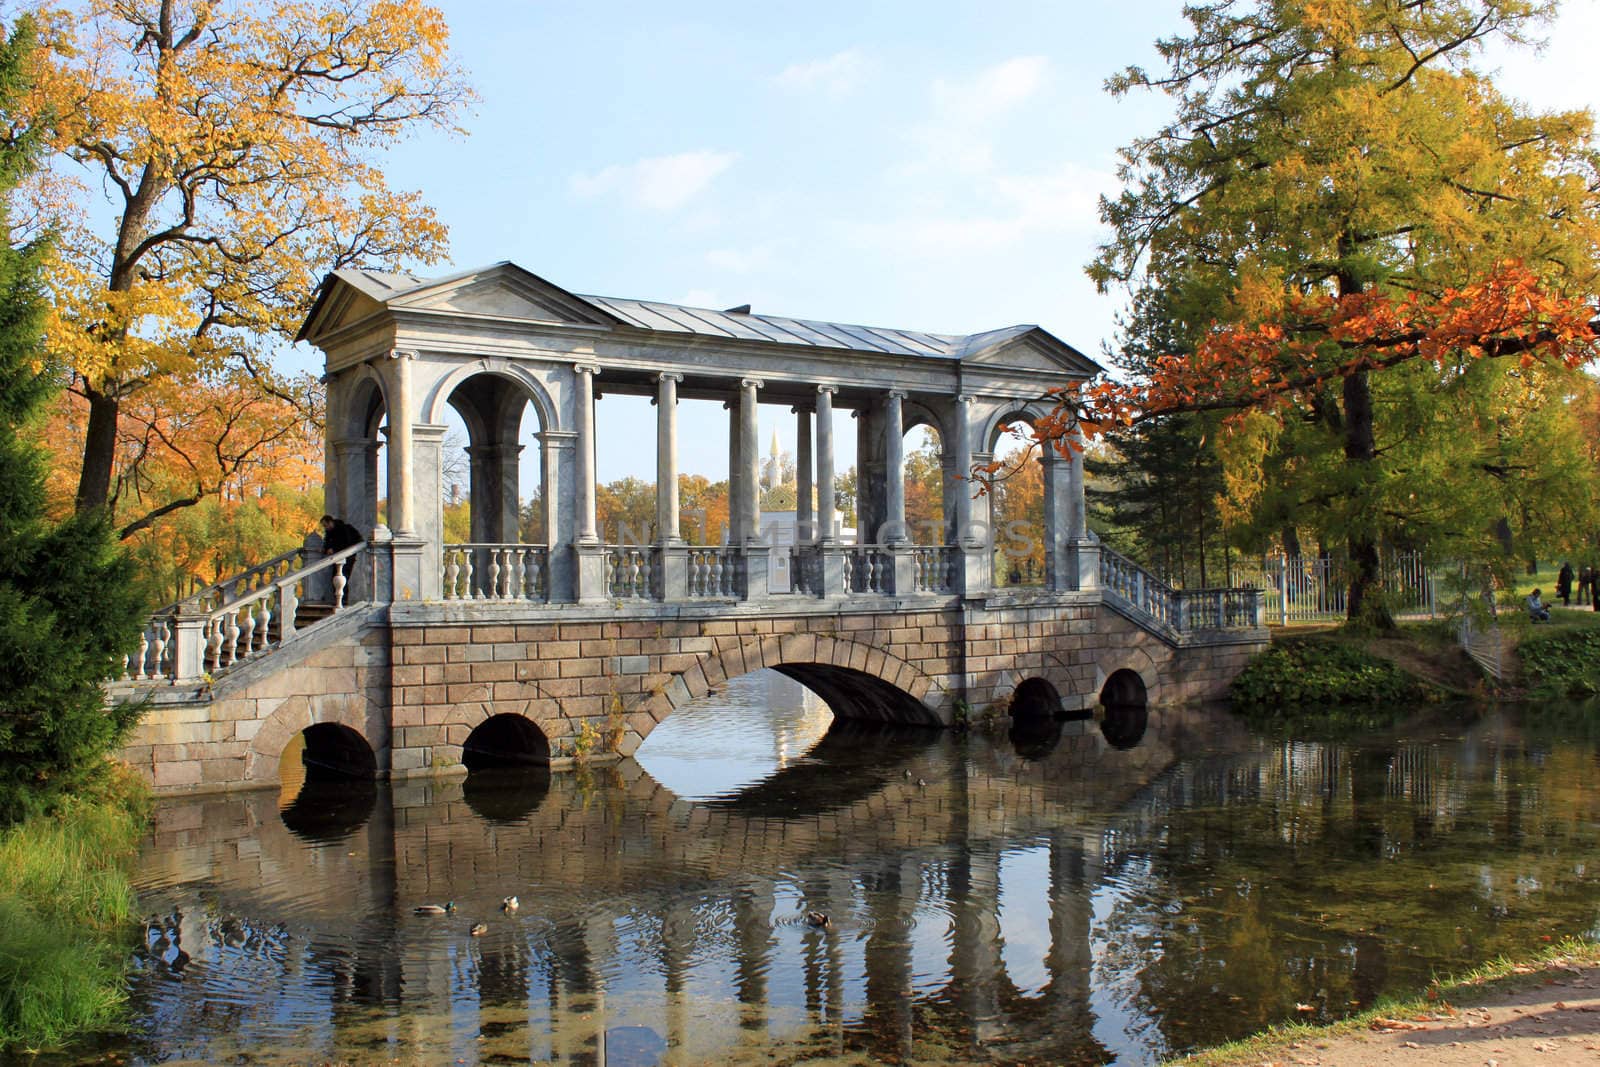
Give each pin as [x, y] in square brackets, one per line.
[538, 642]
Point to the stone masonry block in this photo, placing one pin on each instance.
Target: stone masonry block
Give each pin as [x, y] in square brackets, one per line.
[539, 632]
[489, 635]
[447, 635]
[711, 669]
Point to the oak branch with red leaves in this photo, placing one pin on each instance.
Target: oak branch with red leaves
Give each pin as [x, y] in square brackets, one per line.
[1317, 340]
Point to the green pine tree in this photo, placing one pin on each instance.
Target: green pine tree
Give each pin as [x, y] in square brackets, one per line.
[69, 604]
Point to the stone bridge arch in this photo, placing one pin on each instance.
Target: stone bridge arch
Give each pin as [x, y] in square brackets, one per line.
[855, 679]
[297, 714]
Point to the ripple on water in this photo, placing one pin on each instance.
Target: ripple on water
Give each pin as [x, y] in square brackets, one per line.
[1076, 902]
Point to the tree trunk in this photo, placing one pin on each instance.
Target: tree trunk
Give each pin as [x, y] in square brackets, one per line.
[99, 451]
[1291, 540]
[1360, 448]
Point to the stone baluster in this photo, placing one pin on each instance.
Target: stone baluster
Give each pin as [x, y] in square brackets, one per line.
[247, 630]
[470, 591]
[232, 634]
[339, 583]
[494, 574]
[144, 650]
[452, 570]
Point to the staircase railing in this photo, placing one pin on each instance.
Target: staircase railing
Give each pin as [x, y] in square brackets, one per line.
[242, 584]
[1180, 610]
[194, 638]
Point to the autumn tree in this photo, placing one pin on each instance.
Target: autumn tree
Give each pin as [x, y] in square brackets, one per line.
[70, 605]
[1153, 491]
[237, 144]
[1361, 218]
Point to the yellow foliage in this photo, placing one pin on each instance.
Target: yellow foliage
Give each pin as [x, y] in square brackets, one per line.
[232, 157]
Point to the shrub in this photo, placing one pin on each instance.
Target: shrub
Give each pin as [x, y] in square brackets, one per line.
[1564, 663]
[1310, 674]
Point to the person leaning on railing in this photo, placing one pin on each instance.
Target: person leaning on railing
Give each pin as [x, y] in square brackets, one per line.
[338, 535]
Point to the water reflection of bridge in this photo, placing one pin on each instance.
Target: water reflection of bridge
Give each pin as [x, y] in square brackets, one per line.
[636, 903]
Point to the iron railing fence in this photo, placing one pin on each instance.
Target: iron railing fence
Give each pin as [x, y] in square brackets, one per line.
[1315, 588]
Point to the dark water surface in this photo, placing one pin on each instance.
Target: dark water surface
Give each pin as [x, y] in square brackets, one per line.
[1087, 895]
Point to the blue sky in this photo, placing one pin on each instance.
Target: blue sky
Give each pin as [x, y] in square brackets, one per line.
[930, 166]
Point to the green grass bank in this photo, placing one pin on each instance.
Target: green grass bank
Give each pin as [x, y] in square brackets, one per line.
[1481, 984]
[67, 915]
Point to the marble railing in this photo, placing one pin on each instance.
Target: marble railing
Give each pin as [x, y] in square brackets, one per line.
[482, 571]
[1182, 610]
[193, 639]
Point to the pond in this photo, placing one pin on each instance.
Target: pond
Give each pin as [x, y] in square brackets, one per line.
[1096, 892]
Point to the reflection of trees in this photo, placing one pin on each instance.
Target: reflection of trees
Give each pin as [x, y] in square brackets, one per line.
[1326, 876]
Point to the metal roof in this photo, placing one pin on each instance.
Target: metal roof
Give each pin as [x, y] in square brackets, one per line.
[679, 318]
[705, 322]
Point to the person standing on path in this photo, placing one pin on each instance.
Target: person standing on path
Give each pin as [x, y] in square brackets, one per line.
[1564, 585]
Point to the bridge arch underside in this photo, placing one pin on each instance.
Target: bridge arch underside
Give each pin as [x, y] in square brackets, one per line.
[858, 696]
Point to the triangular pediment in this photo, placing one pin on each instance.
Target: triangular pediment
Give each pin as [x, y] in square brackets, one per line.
[340, 302]
[1028, 348]
[504, 291]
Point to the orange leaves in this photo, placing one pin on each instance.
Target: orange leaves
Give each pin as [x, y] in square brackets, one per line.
[1319, 339]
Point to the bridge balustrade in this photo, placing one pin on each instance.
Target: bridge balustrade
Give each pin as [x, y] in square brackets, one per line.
[869, 570]
[1181, 610]
[935, 568]
[632, 573]
[483, 571]
[714, 573]
[197, 637]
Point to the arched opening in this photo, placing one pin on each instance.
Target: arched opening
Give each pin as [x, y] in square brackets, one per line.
[504, 742]
[766, 744]
[333, 751]
[1016, 507]
[327, 777]
[358, 475]
[493, 491]
[925, 480]
[1035, 700]
[1124, 689]
[1035, 718]
[1127, 712]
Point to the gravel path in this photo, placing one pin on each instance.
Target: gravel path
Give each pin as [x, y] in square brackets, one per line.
[1556, 1021]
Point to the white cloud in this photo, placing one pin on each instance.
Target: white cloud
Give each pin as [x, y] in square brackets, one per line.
[993, 91]
[836, 76]
[660, 183]
[1016, 208]
[956, 137]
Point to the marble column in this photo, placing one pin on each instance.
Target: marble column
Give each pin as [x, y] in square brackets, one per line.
[667, 531]
[825, 502]
[1078, 527]
[402, 515]
[961, 482]
[583, 423]
[735, 478]
[750, 460]
[804, 518]
[894, 448]
[1057, 516]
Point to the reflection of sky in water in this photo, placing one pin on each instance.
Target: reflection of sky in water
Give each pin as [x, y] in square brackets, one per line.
[967, 910]
[754, 725]
[1025, 916]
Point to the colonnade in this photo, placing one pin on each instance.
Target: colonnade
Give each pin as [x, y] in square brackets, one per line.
[576, 559]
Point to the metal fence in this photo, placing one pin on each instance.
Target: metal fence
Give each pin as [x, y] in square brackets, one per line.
[1314, 588]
